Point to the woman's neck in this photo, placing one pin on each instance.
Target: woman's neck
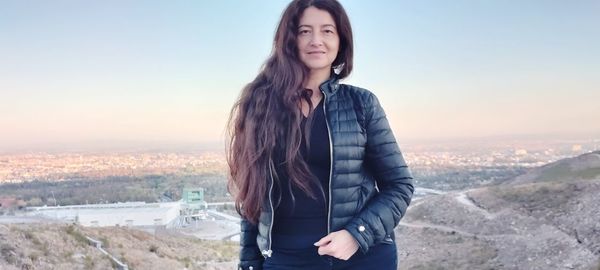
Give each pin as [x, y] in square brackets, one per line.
[316, 78]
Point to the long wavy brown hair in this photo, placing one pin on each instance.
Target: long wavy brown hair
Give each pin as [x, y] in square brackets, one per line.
[267, 119]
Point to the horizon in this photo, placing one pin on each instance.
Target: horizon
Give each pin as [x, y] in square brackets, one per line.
[152, 74]
[128, 146]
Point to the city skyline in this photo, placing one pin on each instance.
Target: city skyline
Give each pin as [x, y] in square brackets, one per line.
[65, 166]
[100, 73]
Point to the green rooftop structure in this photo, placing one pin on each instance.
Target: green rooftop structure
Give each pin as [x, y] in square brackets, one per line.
[193, 197]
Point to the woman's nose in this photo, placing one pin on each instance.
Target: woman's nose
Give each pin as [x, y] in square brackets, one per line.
[316, 40]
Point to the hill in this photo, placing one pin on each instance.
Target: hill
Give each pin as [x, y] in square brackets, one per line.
[548, 218]
[62, 246]
[583, 167]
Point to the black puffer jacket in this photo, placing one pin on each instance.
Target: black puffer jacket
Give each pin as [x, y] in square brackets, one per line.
[370, 185]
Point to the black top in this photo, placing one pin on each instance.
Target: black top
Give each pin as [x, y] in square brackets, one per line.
[306, 217]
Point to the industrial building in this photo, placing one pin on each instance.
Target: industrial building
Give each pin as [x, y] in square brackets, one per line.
[167, 214]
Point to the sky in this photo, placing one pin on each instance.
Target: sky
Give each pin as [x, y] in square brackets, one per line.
[167, 72]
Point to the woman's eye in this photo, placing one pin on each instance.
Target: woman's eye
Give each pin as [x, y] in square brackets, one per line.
[302, 32]
[329, 31]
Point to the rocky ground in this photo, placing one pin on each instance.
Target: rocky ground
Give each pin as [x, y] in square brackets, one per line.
[62, 246]
[547, 223]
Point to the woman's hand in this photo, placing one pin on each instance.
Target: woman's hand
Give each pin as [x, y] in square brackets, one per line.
[340, 244]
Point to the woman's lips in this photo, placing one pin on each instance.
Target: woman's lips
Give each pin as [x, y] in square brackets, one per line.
[315, 54]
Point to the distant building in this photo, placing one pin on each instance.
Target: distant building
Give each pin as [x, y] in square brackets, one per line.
[115, 214]
[11, 203]
[193, 198]
[168, 214]
[192, 204]
[520, 152]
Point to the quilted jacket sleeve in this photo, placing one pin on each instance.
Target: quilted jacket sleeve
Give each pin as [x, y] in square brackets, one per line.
[250, 256]
[394, 181]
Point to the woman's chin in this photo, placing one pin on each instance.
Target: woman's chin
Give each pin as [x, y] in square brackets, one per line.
[318, 67]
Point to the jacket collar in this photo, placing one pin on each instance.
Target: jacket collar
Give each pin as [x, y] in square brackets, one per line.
[331, 85]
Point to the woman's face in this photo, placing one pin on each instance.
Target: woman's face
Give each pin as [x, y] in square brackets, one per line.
[318, 39]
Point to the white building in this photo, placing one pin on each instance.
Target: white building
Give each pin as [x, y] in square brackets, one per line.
[115, 214]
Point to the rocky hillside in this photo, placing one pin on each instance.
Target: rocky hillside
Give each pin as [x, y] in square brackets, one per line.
[583, 167]
[548, 218]
[61, 246]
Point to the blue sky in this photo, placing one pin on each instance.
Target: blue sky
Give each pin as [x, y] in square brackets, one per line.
[169, 71]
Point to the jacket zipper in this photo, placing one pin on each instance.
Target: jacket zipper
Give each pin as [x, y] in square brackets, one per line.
[331, 161]
[270, 251]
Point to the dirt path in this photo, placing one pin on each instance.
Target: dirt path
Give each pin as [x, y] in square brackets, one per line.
[464, 199]
[423, 225]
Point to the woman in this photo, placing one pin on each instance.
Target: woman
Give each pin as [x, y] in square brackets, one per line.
[317, 174]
